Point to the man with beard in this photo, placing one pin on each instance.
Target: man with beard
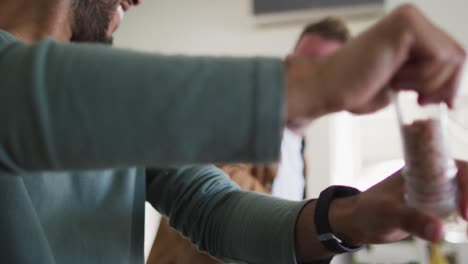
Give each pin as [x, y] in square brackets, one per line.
[68, 114]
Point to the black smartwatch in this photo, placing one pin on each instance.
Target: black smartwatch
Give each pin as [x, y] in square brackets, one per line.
[322, 225]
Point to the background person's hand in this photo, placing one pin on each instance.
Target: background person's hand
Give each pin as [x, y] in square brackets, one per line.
[402, 51]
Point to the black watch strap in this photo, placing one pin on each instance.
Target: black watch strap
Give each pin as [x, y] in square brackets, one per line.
[323, 261]
[325, 234]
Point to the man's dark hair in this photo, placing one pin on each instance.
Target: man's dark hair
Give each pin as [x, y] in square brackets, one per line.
[332, 28]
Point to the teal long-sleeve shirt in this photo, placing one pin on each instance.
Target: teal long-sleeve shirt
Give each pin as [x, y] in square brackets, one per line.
[78, 124]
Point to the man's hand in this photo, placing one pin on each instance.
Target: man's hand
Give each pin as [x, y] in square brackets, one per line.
[378, 215]
[402, 51]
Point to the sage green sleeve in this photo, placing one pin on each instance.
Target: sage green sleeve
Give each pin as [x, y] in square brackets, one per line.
[83, 106]
[230, 224]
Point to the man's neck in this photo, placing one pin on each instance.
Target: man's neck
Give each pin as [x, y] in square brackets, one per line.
[33, 20]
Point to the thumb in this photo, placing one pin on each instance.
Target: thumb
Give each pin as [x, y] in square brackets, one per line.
[421, 224]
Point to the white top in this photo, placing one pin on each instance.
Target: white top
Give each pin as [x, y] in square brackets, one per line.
[290, 181]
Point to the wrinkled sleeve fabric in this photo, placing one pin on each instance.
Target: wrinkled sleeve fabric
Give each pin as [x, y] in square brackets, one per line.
[85, 106]
[230, 224]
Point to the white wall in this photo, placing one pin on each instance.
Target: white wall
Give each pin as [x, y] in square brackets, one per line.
[225, 27]
[204, 27]
[448, 14]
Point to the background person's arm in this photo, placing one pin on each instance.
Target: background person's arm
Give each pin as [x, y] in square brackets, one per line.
[89, 106]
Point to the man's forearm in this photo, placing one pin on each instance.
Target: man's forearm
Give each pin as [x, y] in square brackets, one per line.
[228, 223]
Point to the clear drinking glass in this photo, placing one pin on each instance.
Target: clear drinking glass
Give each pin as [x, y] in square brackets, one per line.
[430, 171]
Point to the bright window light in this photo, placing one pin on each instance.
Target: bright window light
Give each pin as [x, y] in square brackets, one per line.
[376, 172]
